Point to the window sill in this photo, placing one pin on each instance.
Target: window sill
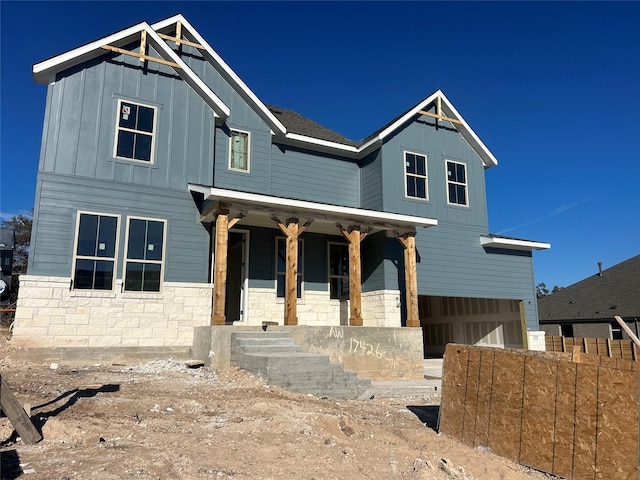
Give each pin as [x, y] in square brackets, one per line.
[143, 295]
[93, 293]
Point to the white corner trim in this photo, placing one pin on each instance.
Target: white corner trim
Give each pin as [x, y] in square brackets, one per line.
[513, 243]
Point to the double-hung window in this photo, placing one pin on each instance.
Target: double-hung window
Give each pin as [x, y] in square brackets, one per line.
[144, 259]
[95, 251]
[415, 169]
[281, 266]
[135, 131]
[457, 183]
[239, 150]
[339, 270]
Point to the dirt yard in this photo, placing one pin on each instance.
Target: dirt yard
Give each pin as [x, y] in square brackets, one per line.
[163, 420]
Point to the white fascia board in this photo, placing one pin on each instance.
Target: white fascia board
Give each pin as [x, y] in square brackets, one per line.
[513, 244]
[227, 72]
[46, 71]
[468, 134]
[407, 116]
[313, 208]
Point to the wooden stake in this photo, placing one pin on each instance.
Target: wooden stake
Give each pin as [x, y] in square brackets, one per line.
[575, 354]
[408, 242]
[354, 237]
[523, 326]
[17, 416]
[628, 331]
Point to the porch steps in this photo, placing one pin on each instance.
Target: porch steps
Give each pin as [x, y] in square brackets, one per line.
[275, 357]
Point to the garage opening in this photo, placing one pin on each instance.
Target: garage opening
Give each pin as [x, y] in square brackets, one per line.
[473, 321]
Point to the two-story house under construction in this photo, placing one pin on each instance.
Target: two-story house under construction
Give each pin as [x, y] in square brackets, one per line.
[170, 197]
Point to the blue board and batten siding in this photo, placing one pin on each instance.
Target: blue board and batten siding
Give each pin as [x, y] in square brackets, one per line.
[79, 172]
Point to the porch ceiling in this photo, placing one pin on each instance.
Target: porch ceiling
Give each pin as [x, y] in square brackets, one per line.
[259, 208]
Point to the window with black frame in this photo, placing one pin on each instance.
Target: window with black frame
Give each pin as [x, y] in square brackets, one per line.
[144, 260]
[339, 271]
[95, 252]
[135, 131]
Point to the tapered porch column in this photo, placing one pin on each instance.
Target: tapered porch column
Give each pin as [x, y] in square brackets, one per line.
[354, 237]
[223, 224]
[408, 242]
[292, 231]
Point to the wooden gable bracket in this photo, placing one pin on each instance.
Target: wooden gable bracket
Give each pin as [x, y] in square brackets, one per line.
[178, 38]
[142, 56]
[438, 115]
[408, 242]
[292, 231]
[223, 224]
[354, 236]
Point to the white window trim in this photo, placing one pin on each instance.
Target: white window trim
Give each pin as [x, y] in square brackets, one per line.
[248, 169]
[300, 273]
[75, 251]
[466, 184]
[161, 262]
[329, 275]
[426, 175]
[153, 133]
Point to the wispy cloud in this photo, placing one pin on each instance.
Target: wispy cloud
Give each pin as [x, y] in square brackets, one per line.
[553, 213]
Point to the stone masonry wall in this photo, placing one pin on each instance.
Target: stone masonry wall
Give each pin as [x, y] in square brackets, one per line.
[50, 315]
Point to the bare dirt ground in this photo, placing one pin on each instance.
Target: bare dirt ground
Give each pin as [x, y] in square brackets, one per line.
[163, 420]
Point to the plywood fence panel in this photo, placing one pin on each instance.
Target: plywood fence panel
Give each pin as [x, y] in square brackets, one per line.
[454, 381]
[591, 346]
[471, 397]
[506, 404]
[564, 420]
[483, 410]
[617, 423]
[586, 410]
[536, 444]
[575, 420]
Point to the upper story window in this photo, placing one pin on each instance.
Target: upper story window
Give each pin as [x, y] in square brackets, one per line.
[144, 259]
[457, 183]
[339, 270]
[135, 131]
[416, 175]
[239, 151]
[95, 251]
[281, 266]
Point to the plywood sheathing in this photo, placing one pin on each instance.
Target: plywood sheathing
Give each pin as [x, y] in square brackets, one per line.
[574, 420]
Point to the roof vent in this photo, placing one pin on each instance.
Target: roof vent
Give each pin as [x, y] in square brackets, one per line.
[599, 269]
[613, 307]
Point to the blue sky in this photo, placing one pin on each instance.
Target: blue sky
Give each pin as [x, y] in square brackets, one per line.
[553, 90]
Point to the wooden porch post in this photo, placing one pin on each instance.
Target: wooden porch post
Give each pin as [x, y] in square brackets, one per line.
[408, 242]
[223, 224]
[292, 231]
[354, 237]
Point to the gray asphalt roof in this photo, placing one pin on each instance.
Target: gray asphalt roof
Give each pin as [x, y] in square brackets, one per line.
[296, 123]
[616, 292]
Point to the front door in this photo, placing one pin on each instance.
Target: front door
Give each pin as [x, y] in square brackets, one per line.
[236, 276]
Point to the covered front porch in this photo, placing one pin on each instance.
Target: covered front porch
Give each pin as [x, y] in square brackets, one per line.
[231, 215]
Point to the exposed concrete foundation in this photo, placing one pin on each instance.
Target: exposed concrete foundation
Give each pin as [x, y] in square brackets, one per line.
[376, 353]
[86, 355]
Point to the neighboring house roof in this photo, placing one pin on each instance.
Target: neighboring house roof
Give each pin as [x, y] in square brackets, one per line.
[299, 130]
[616, 292]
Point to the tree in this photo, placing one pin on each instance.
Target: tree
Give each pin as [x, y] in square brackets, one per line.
[21, 225]
[541, 290]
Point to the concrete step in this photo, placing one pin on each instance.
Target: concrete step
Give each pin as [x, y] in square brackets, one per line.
[276, 358]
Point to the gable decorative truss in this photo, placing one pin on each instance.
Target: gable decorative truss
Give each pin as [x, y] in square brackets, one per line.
[185, 33]
[46, 71]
